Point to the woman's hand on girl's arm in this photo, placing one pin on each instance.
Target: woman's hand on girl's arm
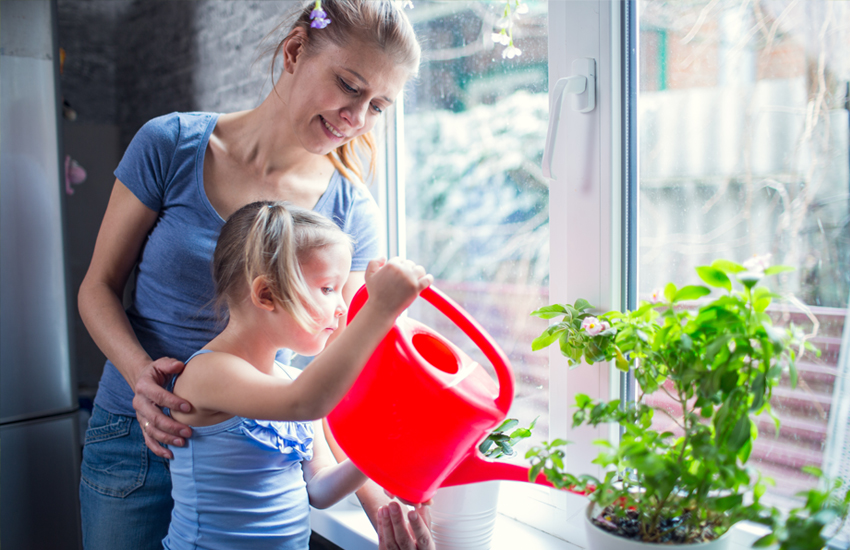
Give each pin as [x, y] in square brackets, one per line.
[150, 397]
[125, 227]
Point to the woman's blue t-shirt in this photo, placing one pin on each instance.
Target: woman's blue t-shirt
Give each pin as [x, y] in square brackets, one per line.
[171, 310]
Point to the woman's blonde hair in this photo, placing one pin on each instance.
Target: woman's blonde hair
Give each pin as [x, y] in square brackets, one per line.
[270, 239]
[381, 23]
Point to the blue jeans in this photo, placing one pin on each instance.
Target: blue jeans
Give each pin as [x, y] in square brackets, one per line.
[125, 489]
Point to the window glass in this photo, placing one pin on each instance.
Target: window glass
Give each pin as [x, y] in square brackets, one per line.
[476, 202]
[743, 151]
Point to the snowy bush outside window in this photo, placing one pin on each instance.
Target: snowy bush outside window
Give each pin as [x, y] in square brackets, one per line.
[476, 201]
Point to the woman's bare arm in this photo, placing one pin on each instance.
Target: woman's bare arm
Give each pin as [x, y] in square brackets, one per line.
[125, 226]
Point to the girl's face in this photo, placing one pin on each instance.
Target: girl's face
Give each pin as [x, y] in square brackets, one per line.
[325, 271]
[338, 93]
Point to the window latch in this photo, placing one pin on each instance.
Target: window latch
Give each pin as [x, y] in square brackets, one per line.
[581, 85]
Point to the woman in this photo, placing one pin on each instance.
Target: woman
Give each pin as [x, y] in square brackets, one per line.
[182, 176]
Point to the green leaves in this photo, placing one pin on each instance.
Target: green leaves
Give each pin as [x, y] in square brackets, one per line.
[550, 312]
[774, 269]
[714, 277]
[728, 267]
[804, 527]
[670, 292]
[690, 293]
[546, 339]
[717, 360]
[499, 443]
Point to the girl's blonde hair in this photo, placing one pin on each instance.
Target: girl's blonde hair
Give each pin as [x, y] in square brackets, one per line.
[270, 239]
[381, 23]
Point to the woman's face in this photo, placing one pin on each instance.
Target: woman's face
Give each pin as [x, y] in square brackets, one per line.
[338, 93]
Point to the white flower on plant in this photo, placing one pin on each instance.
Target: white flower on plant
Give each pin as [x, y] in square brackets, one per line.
[656, 295]
[501, 38]
[511, 51]
[521, 8]
[757, 263]
[594, 326]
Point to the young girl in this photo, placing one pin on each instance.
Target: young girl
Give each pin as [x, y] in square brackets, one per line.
[255, 462]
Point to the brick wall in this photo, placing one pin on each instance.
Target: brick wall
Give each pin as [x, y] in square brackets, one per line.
[128, 61]
[131, 60]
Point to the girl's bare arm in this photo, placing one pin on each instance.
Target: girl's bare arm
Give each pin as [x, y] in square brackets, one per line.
[225, 383]
[327, 481]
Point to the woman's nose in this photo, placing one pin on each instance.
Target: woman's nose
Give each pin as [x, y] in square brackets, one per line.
[355, 114]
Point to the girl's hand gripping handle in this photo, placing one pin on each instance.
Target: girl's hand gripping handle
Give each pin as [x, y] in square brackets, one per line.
[394, 284]
[468, 325]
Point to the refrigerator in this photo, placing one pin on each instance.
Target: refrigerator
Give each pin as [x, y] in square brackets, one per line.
[39, 431]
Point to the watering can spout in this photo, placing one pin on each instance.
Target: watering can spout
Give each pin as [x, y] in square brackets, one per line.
[474, 469]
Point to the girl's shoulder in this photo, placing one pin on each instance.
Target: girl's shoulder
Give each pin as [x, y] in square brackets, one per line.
[206, 374]
[206, 365]
[200, 363]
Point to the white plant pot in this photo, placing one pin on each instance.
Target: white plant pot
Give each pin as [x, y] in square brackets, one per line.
[599, 539]
[463, 517]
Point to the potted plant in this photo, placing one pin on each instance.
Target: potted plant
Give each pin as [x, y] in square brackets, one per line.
[718, 362]
[463, 516]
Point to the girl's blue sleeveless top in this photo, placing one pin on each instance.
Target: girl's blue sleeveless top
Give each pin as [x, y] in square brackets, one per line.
[239, 485]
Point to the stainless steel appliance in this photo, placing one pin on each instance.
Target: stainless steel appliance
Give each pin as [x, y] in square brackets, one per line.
[39, 441]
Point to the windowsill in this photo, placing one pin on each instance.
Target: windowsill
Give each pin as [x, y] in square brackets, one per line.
[347, 526]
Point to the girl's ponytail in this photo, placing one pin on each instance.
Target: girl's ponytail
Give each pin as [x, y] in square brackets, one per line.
[270, 252]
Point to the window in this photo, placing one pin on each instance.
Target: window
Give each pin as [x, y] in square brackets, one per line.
[720, 130]
[743, 133]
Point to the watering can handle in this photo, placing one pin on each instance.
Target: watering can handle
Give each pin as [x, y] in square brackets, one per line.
[471, 328]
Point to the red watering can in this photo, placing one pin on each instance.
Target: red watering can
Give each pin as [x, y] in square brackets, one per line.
[414, 418]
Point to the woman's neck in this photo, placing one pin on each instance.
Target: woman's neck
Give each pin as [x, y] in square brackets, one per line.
[262, 140]
[254, 155]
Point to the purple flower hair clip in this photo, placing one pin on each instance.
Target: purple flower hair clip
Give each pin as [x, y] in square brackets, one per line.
[318, 17]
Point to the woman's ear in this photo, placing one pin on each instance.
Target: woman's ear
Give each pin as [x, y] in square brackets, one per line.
[261, 294]
[293, 48]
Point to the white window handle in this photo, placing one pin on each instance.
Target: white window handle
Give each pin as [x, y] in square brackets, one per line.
[582, 86]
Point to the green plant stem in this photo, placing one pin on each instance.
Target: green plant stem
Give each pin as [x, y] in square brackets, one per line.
[683, 402]
[656, 515]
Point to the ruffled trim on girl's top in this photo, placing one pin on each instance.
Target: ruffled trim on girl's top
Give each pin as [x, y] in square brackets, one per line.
[290, 438]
